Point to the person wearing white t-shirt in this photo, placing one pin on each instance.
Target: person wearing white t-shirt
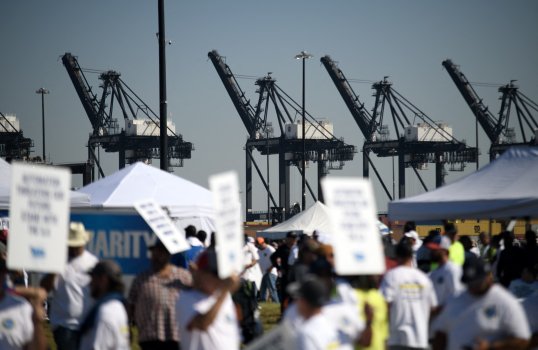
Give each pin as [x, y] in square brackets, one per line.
[106, 326]
[71, 298]
[411, 298]
[205, 314]
[446, 278]
[252, 271]
[486, 316]
[270, 273]
[20, 322]
[316, 331]
[340, 309]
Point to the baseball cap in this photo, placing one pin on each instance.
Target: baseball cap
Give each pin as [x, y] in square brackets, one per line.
[78, 236]
[108, 268]
[412, 234]
[250, 239]
[311, 289]
[260, 240]
[439, 242]
[474, 269]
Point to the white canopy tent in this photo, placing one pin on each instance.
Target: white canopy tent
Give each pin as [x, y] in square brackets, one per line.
[77, 199]
[315, 218]
[505, 188]
[187, 202]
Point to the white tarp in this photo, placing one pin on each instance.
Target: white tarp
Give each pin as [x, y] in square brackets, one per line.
[187, 202]
[505, 188]
[76, 199]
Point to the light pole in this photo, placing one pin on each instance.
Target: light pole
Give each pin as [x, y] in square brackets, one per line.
[163, 151]
[43, 92]
[303, 56]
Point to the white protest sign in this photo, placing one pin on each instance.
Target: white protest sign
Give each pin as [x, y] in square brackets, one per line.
[162, 225]
[356, 240]
[38, 218]
[229, 235]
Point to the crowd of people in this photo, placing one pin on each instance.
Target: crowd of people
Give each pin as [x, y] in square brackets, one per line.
[440, 292]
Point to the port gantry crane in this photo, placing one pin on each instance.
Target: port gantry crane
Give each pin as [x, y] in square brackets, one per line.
[139, 141]
[419, 140]
[321, 145]
[498, 129]
[13, 144]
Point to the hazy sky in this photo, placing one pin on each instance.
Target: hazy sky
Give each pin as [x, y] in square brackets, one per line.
[492, 41]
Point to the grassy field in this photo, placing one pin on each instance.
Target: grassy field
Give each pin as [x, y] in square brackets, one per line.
[269, 315]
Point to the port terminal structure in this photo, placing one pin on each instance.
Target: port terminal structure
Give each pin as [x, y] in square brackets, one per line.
[396, 127]
[322, 146]
[13, 144]
[515, 123]
[139, 139]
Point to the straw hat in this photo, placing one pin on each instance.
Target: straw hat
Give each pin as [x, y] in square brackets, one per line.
[78, 236]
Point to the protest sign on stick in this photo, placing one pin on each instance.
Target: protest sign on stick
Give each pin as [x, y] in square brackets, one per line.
[38, 218]
[162, 225]
[229, 236]
[356, 239]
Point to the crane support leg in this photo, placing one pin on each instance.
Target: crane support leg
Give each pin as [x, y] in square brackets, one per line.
[379, 178]
[265, 185]
[401, 175]
[248, 181]
[283, 184]
[439, 170]
[365, 164]
[121, 158]
[322, 172]
[307, 185]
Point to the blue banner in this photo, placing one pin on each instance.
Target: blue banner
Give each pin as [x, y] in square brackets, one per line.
[123, 238]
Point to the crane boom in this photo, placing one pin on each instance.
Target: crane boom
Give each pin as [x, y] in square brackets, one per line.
[241, 103]
[489, 123]
[360, 114]
[83, 89]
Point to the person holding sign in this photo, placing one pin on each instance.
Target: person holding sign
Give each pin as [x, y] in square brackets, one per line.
[71, 289]
[21, 326]
[206, 315]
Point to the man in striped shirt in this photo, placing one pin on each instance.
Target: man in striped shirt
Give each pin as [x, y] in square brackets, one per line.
[152, 301]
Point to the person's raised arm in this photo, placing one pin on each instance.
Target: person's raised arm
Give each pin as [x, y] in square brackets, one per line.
[203, 321]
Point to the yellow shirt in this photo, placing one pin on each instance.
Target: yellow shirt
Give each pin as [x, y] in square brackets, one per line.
[456, 253]
[380, 322]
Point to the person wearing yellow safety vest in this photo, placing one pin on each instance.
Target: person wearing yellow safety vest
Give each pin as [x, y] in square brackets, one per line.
[456, 250]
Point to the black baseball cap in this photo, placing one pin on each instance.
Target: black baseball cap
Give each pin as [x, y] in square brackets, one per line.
[311, 289]
[474, 269]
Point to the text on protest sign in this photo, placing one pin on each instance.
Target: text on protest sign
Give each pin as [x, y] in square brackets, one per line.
[38, 218]
[229, 234]
[162, 225]
[357, 242]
